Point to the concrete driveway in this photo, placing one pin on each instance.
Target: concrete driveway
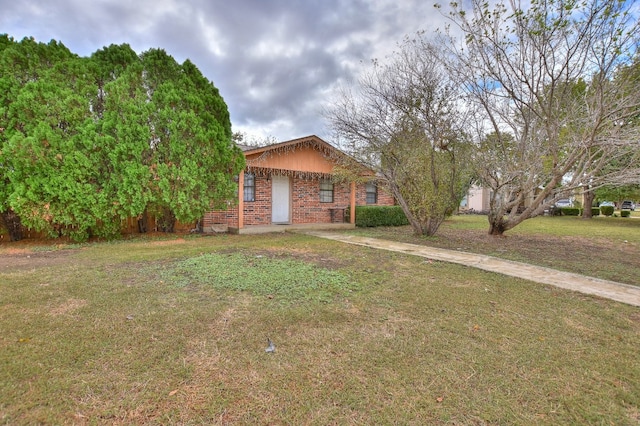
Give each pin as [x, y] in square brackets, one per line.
[619, 292]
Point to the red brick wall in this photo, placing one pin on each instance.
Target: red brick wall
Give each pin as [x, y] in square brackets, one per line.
[258, 212]
[227, 217]
[306, 206]
[384, 196]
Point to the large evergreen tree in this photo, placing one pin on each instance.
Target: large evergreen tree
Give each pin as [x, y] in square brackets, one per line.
[34, 120]
[89, 142]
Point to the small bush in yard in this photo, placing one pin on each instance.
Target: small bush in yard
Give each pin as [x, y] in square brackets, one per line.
[595, 211]
[570, 211]
[606, 210]
[369, 216]
[625, 213]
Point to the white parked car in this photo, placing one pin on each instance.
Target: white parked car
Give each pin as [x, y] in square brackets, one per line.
[628, 205]
[564, 203]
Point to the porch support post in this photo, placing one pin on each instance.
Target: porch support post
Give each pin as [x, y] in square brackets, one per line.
[352, 210]
[241, 200]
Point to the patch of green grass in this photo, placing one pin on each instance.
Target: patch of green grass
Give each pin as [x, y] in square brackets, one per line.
[286, 279]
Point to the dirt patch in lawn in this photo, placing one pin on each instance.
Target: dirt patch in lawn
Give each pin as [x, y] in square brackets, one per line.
[322, 260]
[25, 258]
[168, 242]
[68, 307]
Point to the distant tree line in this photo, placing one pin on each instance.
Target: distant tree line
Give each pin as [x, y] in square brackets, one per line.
[87, 142]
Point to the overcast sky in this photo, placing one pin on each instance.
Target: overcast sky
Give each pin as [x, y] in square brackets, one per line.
[275, 62]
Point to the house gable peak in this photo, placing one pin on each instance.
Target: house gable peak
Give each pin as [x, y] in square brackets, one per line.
[307, 141]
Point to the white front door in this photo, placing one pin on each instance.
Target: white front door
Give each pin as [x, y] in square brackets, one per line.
[280, 199]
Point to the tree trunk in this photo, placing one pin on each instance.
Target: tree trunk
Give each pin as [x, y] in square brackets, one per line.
[143, 223]
[432, 226]
[496, 229]
[497, 225]
[415, 223]
[395, 191]
[589, 196]
[13, 224]
[166, 220]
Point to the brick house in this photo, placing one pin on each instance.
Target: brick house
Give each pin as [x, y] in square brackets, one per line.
[294, 183]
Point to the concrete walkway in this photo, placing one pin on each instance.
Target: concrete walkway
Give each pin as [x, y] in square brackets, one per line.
[608, 289]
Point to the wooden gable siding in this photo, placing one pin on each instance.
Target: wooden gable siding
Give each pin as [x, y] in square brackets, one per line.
[302, 159]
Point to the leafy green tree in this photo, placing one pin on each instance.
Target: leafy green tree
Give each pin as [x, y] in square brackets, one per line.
[618, 193]
[37, 111]
[170, 138]
[57, 182]
[186, 113]
[431, 178]
[107, 65]
[89, 142]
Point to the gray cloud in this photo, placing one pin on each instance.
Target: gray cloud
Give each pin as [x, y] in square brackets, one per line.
[275, 62]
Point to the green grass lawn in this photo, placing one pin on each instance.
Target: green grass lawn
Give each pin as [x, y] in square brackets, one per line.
[174, 331]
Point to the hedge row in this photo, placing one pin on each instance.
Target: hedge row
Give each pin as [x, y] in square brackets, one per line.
[570, 211]
[595, 211]
[369, 216]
